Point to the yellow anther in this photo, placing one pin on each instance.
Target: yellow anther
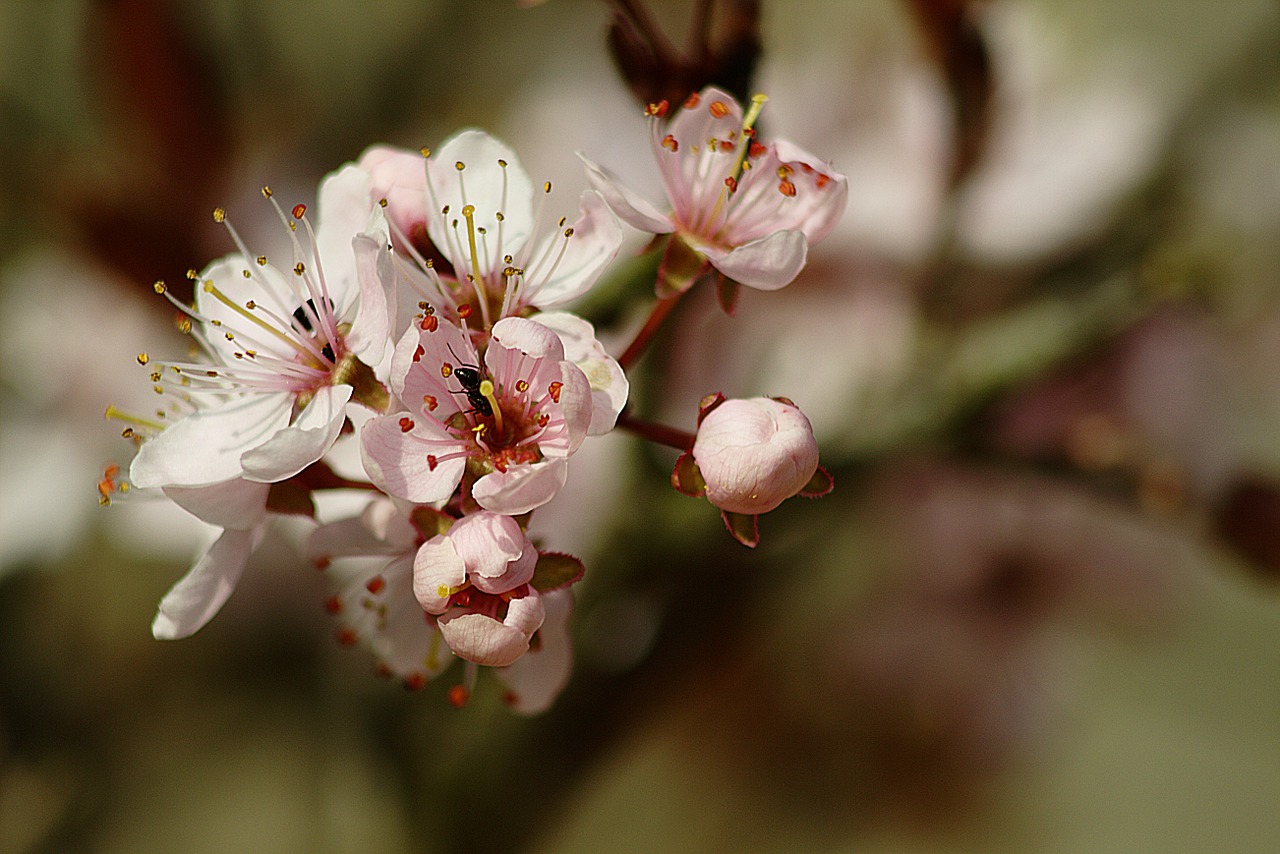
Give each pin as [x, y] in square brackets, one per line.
[143, 358]
[219, 215]
[266, 191]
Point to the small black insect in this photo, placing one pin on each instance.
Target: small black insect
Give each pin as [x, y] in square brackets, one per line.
[303, 316]
[470, 378]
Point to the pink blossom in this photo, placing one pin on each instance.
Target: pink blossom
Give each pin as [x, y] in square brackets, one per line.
[513, 424]
[754, 454]
[751, 210]
[477, 205]
[476, 579]
[287, 350]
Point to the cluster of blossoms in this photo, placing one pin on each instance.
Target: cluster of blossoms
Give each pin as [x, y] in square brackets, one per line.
[421, 318]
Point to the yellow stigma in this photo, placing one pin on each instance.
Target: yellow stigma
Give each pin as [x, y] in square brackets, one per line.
[486, 389]
[476, 277]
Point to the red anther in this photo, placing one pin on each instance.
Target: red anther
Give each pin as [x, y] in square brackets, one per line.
[419, 353]
[786, 188]
[406, 424]
[347, 636]
[415, 682]
[464, 311]
[670, 144]
[299, 211]
[732, 183]
[726, 145]
[459, 695]
[718, 109]
[755, 149]
[822, 180]
[333, 605]
[429, 401]
[544, 419]
[659, 109]
[510, 698]
[522, 386]
[429, 323]
[382, 670]
[554, 390]
[376, 585]
[432, 462]
[462, 598]
[692, 101]
[322, 563]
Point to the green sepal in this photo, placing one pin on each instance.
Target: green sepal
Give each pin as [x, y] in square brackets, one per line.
[366, 388]
[555, 571]
[819, 485]
[742, 527]
[429, 521]
[291, 498]
[681, 268]
[686, 477]
[727, 291]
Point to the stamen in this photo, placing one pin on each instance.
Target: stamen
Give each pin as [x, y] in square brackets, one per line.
[210, 288]
[114, 414]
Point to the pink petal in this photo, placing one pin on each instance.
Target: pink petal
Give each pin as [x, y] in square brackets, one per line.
[537, 677]
[397, 462]
[521, 488]
[400, 177]
[693, 184]
[485, 641]
[631, 208]
[608, 382]
[200, 594]
[371, 327]
[343, 210]
[767, 264]
[527, 336]
[498, 555]
[437, 570]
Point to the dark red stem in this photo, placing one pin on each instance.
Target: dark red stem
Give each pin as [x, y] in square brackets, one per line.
[657, 316]
[660, 433]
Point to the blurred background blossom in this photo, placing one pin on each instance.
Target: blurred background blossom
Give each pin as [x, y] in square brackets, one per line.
[1039, 352]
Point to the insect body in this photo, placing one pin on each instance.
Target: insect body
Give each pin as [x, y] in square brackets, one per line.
[470, 378]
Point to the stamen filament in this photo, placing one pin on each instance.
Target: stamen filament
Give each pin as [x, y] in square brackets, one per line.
[210, 288]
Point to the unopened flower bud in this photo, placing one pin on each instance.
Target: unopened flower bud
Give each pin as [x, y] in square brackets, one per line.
[754, 454]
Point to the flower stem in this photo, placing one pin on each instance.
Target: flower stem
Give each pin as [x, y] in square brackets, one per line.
[660, 433]
[657, 316]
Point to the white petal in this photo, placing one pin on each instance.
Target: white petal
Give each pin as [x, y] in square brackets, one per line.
[206, 447]
[344, 204]
[376, 278]
[630, 207]
[264, 285]
[767, 264]
[487, 186]
[594, 243]
[194, 600]
[300, 444]
[239, 504]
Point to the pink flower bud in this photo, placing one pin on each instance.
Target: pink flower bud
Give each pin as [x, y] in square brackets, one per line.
[754, 454]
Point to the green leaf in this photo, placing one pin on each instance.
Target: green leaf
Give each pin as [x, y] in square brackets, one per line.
[555, 571]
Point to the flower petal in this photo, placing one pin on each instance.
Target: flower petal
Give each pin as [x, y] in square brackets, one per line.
[400, 177]
[594, 243]
[238, 503]
[538, 676]
[630, 207]
[206, 447]
[343, 210]
[608, 382]
[438, 570]
[303, 442]
[399, 463]
[375, 274]
[767, 264]
[521, 488]
[484, 640]
[194, 600]
[487, 185]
